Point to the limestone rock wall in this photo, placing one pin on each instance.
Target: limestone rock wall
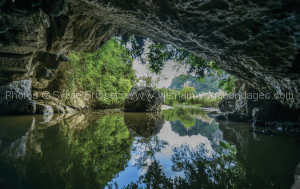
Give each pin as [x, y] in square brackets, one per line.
[248, 104]
[15, 98]
[257, 41]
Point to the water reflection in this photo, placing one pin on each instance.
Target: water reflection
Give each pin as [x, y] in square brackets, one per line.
[143, 124]
[218, 170]
[179, 148]
[81, 151]
[273, 156]
[152, 155]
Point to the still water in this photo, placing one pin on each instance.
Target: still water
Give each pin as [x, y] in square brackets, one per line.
[179, 148]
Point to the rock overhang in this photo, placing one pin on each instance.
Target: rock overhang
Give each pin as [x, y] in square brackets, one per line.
[256, 41]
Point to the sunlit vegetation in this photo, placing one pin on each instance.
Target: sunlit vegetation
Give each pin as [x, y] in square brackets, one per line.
[228, 84]
[109, 70]
[206, 99]
[206, 84]
[188, 97]
[106, 71]
[171, 96]
[188, 91]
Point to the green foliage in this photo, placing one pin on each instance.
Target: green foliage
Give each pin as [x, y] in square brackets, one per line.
[177, 114]
[97, 153]
[206, 84]
[204, 101]
[187, 90]
[160, 53]
[186, 93]
[227, 146]
[106, 71]
[187, 117]
[171, 96]
[151, 81]
[174, 98]
[228, 84]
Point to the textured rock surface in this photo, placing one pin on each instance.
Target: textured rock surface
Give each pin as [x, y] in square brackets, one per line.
[57, 106]
[257, 41]
[297, 178]
[15, 98]
[143, 99]
[227, 104]
[247, 103]
[44, 109]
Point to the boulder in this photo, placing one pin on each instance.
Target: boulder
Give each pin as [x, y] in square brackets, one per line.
[58, 109]
[143, 99]
[248, 104]
[296, 184]
[57, 105]
[44, 109]
[227, 104]
[15, 98]
[70, 110]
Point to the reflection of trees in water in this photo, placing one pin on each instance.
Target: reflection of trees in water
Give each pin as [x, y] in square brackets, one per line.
[145, 149]
[218, 170]
[187, 116]
[200, 127]
[83, 151]
[98, 152]
[274, 155]
[237, 134]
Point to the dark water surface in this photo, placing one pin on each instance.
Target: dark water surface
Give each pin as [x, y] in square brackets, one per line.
[180, 148]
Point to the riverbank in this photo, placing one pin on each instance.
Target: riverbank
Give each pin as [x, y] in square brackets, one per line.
[207, 100]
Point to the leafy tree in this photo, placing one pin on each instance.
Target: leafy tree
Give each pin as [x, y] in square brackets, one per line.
[206, 84]
[107, 71]
[186, 93]
[171, 96]
[150, 81]
[228, 84]
[160, 53]
[188, 90]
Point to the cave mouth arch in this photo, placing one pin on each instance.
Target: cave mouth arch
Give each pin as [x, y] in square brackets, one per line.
[256, 41]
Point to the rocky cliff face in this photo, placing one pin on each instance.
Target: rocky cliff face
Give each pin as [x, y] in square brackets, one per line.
[257, 41]
[15, 98]
[248, 104]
